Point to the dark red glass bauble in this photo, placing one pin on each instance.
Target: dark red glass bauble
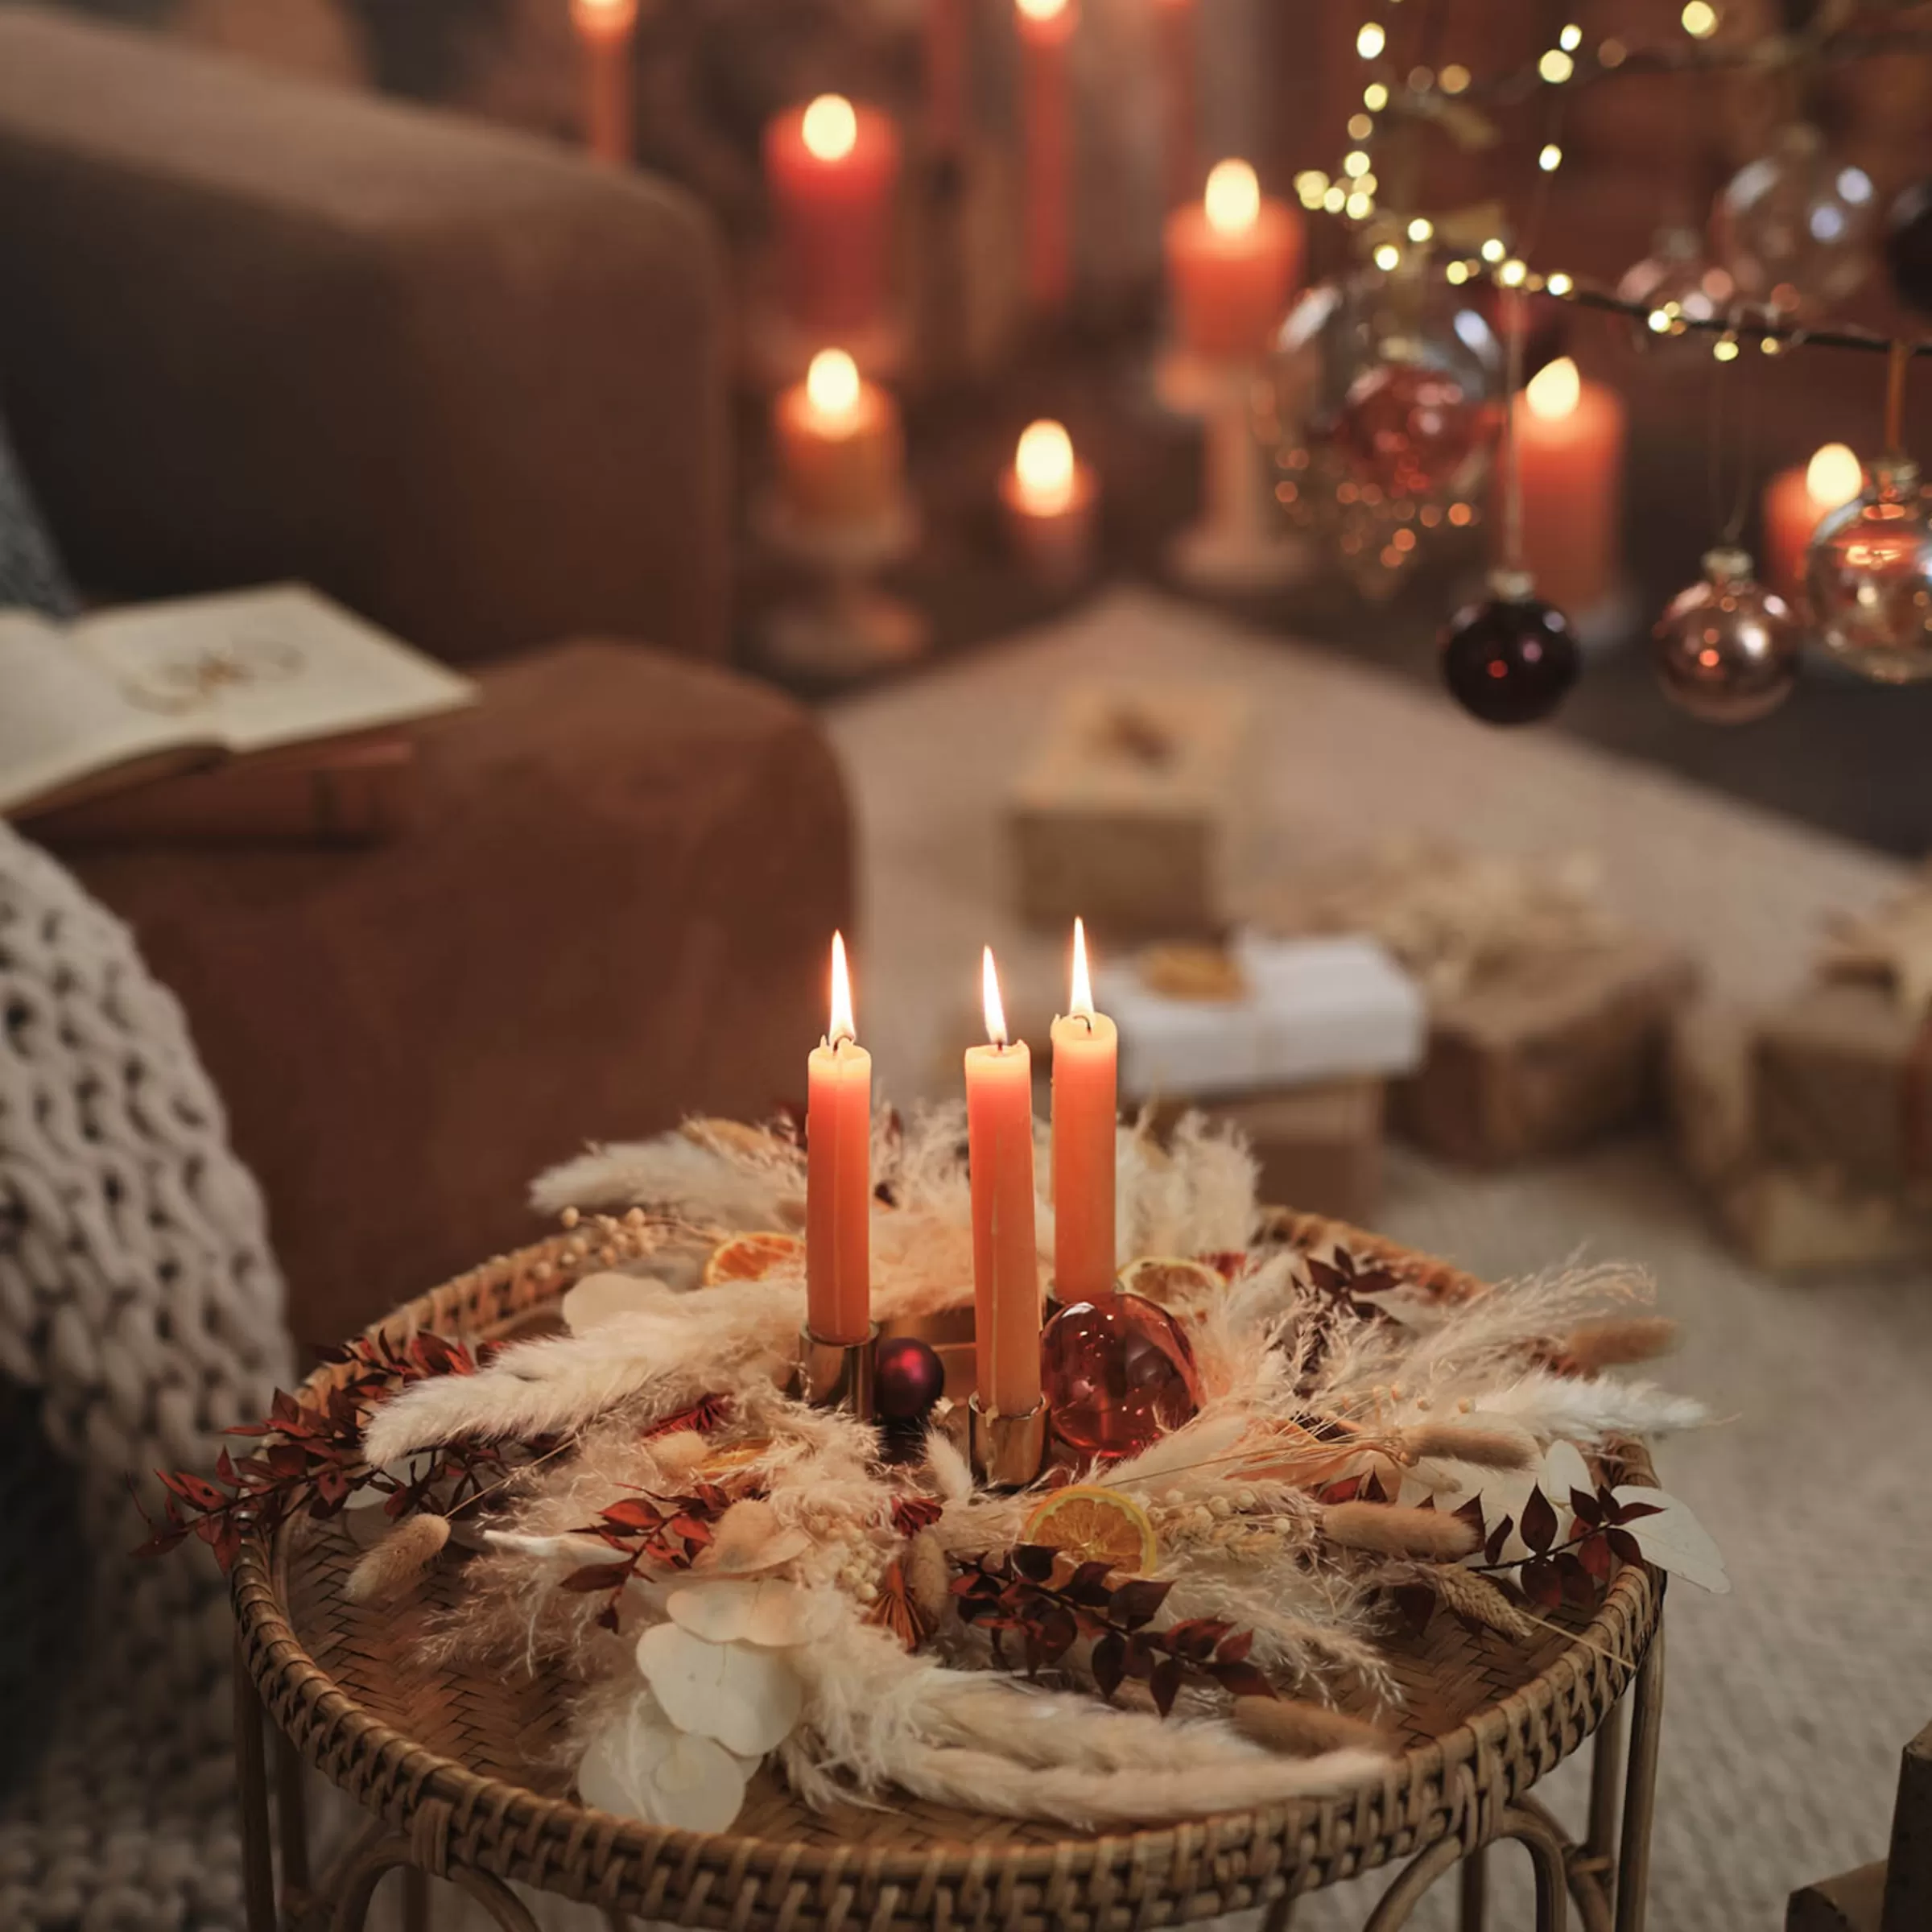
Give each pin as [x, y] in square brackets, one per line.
[1909, 246]
[1118, 1374]
[907, 1378]
[1509, 659]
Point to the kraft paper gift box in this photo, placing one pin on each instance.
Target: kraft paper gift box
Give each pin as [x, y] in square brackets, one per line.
[1537, 1057]
[1130, 815]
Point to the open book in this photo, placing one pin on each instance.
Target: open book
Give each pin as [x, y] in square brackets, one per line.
[135, 694]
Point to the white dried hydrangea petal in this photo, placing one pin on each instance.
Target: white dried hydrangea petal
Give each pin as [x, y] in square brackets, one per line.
[749, 1539]
[615, 1773]
[698, 1787]
[603, 1297]
[719, 1612]
[749, 1699]
[785, 1616]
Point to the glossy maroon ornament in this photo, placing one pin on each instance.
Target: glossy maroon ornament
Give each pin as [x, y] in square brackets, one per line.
[1909, 246]
[1411, 428]
[1511, 658]
[1118, 1373]
[907, 1378]
[1726, 650]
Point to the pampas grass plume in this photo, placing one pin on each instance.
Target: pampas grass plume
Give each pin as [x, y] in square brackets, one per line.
[1301, 1730]
[1389, 1529]
[1487, 1445]
[1618, 1340]
[402, 1555]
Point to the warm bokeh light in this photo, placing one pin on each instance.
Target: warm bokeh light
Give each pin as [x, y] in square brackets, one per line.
[989, 992]
[831, 128]
[1454, 78]
[1556, 66]
[831, 383]
[1043, 464]
[1080, 1005]
[841, 1027]
[1555, 390]
[1233, 200]
[1834, 475]
[1699, 18]
[1370, 41]
[1421, 229]
[1042, 9]
[603, 17]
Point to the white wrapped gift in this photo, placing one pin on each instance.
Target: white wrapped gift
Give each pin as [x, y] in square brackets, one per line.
[1312, 1009]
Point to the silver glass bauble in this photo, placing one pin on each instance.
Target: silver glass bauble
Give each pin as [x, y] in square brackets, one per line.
[1795, 227]
[1726, 650]
[1678, 282]
[1400, 374]
[1868, 576]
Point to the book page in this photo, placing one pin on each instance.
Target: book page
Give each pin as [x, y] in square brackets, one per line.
[257, 668]
[62, 719]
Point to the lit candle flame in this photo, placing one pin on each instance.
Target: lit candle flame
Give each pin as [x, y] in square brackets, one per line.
[1833, 476]
[1233, 200]
[1555, 390]
[1080, 1007]
[1043, 464]
[841, 1027]
[996, 1013]
[1042, 9]
[831, 384]
[831, 128]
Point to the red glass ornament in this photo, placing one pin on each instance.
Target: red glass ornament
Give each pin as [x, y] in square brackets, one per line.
[1511, 658]
[907, 1378]
[1411, 428]
[1118, 1373]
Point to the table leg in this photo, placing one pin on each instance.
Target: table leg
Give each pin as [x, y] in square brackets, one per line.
[251, 1791]
[415, 1899]
[1472, 1910]
[1640, 1790]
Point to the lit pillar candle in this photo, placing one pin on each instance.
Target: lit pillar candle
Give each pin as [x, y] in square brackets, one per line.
[1085, 1051]
[838, 1175]
[1570, 442]
[1234, 258]
[1048, 496]
[1006, 1257]
[1796, 502]
[1175, 30]
[606, 28]
[1046, 28]
[831, 169]
[841, 457]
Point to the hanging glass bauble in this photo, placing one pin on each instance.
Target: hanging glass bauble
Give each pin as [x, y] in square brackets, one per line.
[1795, 226]
[1909, 246]
[1677, 283]
[1510, 659]
[1118, 1374]
[1400, 374]
[1869, 575]
[1726, 650]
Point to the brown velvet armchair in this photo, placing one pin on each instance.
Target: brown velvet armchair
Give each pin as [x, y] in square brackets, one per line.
[474, 388]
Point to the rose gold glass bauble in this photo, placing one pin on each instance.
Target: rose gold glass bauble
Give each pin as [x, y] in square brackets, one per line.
[1412, 429]
[1868, 577]
[1117, 1373]
[1726, 650]
[1795, 227]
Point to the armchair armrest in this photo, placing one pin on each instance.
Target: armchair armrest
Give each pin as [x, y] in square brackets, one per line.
[472, 386]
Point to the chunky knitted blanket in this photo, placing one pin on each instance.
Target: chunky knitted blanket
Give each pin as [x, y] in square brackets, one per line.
[140, 1314]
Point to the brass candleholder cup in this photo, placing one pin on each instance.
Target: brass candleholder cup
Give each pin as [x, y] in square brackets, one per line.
[1007, 1451]
[837, 1375]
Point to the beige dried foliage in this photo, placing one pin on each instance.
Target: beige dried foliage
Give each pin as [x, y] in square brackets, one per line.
[1390, 1529]
[1618, 1340]
[928, 1577]
[1302, 1730]
[398, 1560]
[1478, 1599]
[1487, 1445]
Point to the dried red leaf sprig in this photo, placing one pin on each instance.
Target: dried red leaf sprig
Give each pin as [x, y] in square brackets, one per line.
[315, 1464]
[653, 1532]
[1576, 1571]
[1013, 1593]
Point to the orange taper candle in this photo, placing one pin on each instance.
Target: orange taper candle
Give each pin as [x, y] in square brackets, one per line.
[1005, 1255]
[838, 1175]
[1085, 1051]
[606, 28]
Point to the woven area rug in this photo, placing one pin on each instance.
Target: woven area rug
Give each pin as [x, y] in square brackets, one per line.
[1789, 1701]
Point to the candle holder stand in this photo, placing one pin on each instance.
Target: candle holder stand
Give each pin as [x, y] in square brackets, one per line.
[1006, 1452]
[837, 1375]
[841, 627]
[777, 348]
[1238, 546]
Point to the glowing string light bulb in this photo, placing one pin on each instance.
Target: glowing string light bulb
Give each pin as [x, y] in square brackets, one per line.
[1371, 40]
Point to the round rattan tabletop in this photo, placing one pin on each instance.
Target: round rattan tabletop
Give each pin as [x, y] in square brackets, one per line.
[461, 1775]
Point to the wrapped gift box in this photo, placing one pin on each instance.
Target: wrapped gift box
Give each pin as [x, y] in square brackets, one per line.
[1539, 1056]
[1318, 1147]
[1129, 815]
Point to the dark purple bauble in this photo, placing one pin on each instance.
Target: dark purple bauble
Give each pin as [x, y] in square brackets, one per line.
[907, 1378]
[1511, 658]
[1909, 246]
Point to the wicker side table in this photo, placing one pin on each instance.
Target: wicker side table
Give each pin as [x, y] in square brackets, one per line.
[460, 1773]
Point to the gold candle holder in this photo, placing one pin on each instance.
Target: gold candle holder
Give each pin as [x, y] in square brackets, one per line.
[837, 1375]
[1006, 1452]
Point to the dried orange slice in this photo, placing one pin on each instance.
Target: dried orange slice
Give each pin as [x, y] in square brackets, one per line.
[1167, 1278]
[750, 1257]
[1092, 1524]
